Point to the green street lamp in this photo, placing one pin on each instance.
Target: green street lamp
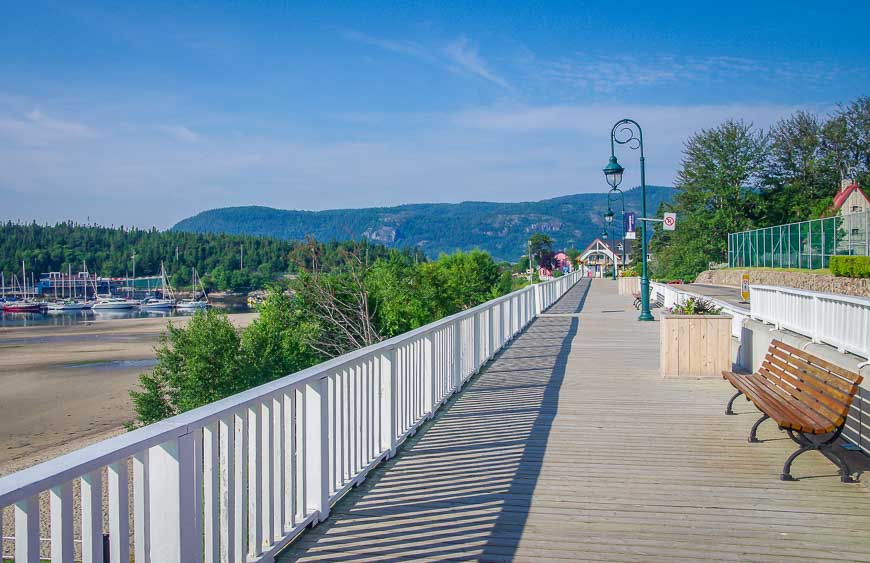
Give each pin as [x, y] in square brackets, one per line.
[623, 133]
[622, 197]
[608, 220]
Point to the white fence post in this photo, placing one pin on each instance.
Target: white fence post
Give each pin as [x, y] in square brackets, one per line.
[62, 523]
[429, 373]
[27, 530]
[389, 412]
[317, 447]
[174, 524]
[457, 356]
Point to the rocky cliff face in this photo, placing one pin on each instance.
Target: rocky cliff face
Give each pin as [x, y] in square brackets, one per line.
[799, 280]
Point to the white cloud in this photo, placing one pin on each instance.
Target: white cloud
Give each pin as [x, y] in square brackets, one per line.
[179, 133]
[466, 57]
[458, 57]
[36, 128]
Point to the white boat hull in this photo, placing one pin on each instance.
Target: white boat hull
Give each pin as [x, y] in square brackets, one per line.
[192, 306]
[113, 306]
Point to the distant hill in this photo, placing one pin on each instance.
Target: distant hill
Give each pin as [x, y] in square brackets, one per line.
[499, 228]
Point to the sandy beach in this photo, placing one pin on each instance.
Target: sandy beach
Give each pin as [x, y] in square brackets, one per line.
[64, 387]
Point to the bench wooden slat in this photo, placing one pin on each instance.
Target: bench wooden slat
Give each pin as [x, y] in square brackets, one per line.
[817, 421]
[850, 376]
[806, 392]
[761, 398]
[818, 378]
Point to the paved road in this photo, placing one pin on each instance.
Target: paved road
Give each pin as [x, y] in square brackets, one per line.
[730, 295]
[569, 445]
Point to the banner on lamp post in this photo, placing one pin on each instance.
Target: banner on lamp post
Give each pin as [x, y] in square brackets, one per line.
[630, 225]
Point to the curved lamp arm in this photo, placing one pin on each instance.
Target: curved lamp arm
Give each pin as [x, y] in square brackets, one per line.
[626, 132]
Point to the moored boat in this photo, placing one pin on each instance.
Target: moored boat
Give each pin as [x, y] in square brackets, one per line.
[196, 302]
[113, 304]
[22, 306]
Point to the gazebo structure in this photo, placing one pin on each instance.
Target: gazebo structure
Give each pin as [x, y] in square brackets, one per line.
[599, 256]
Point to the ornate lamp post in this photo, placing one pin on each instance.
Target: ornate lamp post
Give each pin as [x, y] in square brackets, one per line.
[622, 237]
[624, 133]
[608, 219]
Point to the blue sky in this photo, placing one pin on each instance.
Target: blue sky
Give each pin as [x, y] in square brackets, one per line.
[145, 113]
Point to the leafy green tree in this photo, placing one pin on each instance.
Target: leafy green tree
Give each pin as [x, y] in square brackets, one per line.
[717, 193]
[196, 365]
[801, 179]
[394, 288]
[274, 345]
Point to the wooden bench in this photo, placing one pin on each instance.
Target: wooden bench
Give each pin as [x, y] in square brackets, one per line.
[806, 396]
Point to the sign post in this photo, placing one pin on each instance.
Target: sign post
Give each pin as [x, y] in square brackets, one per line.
[744, 288]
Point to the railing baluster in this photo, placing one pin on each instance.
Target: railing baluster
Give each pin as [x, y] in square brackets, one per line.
[240, 479]
[255, 481]
[277, 468]
[210, 492]
[141, 508]
[301, 420]
[289, 425]
[119, 512]
[92, 517]
[267, 450]
[316, 453]
[227, 460]
[390, 410]
[61, 507]
[27, 530]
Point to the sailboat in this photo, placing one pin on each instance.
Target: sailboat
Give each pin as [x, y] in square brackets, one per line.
[66, 303]
[167, 299]
[194, 303]
[24, 305]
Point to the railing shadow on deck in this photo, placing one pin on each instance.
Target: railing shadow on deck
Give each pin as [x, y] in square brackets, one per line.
[462, 488]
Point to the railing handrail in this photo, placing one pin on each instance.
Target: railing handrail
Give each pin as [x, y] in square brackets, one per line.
[855, 299]
[54, 472]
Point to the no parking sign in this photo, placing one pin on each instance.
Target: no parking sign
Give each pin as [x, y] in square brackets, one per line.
[670, 221]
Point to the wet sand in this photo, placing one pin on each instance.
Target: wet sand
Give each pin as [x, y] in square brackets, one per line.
[64, 387]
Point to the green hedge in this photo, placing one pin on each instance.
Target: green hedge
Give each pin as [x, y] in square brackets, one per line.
[850, 266]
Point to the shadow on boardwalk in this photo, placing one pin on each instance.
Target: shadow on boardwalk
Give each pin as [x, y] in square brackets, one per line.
[462, 489]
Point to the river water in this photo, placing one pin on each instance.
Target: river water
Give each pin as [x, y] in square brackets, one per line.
[70, 318]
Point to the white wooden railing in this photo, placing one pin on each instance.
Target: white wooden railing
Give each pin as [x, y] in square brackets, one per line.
[843, 321]
[238, 479]
[670, 295]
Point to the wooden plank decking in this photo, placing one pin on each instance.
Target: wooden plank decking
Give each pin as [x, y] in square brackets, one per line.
[570, 446]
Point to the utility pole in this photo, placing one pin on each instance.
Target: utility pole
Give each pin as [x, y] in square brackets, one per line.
[241, 256]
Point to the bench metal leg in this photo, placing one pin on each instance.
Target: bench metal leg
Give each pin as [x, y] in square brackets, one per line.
[731, 403]
[786, 469]
[825, 448]
[752, 433]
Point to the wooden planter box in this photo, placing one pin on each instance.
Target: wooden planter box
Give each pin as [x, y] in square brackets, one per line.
[695, 345]
[629, 285]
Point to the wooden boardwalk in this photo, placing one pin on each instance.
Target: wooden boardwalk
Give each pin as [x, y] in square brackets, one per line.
[570, 446]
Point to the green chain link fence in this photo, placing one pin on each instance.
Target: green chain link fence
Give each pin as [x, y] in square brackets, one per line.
[808, 245]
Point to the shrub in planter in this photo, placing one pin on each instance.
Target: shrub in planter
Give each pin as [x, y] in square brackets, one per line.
[696, 306]
[850, 266]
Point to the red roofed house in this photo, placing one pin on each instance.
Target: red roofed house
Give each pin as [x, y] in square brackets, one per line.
[851, 198]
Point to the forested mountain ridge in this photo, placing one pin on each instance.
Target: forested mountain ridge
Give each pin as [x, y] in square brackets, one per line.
[501, 229]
